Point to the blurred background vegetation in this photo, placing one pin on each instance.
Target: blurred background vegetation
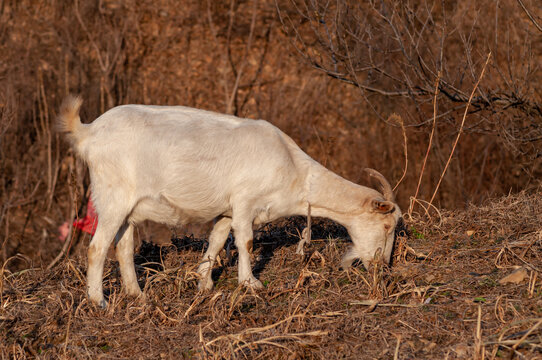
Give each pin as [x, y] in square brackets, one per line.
[330, 74]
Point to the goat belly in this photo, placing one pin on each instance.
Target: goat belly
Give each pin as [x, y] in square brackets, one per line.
[162, 211]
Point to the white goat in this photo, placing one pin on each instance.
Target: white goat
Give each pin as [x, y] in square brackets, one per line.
[178, 165]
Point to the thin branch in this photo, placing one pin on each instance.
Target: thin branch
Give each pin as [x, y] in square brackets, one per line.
[460, 128]
[401, 122]
[428, 146]
[233, 94]
[530, 16]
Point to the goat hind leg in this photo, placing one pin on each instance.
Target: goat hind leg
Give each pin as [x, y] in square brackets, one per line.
[217, 239]
[125, 256]
[97, 251]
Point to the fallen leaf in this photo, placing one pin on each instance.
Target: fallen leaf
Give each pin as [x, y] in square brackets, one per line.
[470, 232]
[515, 277]
[372, 304]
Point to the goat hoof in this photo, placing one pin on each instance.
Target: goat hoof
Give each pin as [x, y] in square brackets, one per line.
[141, 298]
[98, 301]
[205, 285]
[253, 283]
[102, 304]
[136, 292]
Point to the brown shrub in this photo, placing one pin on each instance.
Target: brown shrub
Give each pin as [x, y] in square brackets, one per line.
[236, 57]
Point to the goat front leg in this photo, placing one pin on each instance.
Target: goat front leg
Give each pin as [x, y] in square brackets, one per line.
[125, 256]
[305, 234]
[217, 239]
[243, 240]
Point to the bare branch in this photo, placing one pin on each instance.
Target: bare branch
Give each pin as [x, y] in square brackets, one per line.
[530, 16]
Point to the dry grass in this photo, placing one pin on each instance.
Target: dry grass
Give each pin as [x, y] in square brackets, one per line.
[448, 304]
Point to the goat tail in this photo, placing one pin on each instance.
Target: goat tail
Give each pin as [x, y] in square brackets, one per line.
[68, 120]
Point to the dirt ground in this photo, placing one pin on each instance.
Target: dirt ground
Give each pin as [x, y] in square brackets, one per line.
[445, 297]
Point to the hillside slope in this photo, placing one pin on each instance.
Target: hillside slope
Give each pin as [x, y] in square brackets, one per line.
[443, 298]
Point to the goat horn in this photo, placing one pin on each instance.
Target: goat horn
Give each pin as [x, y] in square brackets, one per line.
[387, 191]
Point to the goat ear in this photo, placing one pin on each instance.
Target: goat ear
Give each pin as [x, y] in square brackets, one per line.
[382, 206]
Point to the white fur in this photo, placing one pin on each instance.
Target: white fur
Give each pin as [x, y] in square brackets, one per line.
[177, 165]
